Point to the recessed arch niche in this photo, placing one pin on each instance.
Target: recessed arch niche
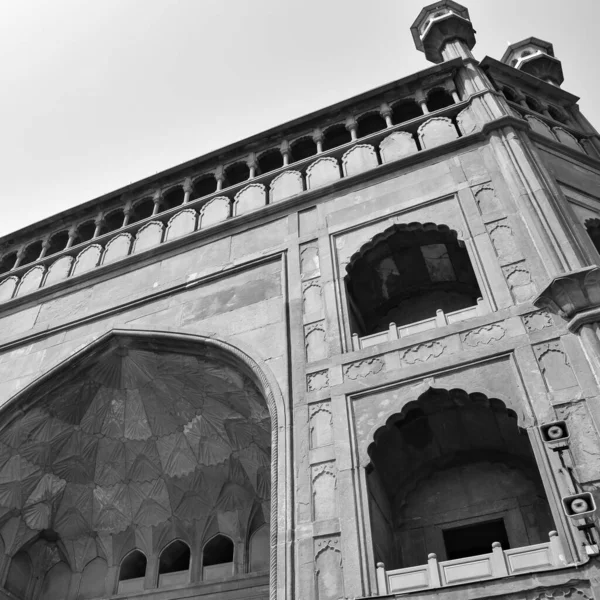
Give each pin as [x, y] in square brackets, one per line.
[447, 462]
[138, 433]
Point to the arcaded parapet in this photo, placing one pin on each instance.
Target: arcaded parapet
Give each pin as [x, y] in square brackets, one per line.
[87, 259]
[117, 248]
[359, 159]
[59, 270]
[566, 138]
[149, 236]
[540, 127]
[214, 211]
[8, 287]
[437, 131]
[182, 223]
[397, 145]
[467, 122]
[286, 185]
[31, 281]
[321, 172]
[253, 196]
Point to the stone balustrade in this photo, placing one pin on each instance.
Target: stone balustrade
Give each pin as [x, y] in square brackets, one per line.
[392, 143]
[498, 563]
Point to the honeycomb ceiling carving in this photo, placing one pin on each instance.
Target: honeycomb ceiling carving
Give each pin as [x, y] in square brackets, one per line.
[136, 437]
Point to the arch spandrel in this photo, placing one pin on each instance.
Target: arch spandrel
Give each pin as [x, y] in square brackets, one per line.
[134, 431]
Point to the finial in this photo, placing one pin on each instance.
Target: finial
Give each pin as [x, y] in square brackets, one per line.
[536, 57]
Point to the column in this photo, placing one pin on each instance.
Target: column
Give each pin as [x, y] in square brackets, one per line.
[188, 188]
[420, 99]
[252, 165]
[45, 247]
[220, 177]
[318, 139]
[127, 211]
[385, 110]
[156, 198]
[98, 222]
[285, 152]
[352, 127]
[72, 236]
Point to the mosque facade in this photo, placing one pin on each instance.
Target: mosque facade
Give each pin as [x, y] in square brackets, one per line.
[356, 355]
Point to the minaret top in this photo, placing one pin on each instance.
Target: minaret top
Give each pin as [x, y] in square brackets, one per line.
[536, 57]
[440, 23]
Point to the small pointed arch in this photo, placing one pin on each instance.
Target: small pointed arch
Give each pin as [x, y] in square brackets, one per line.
[172, 197]
[592, 226]
[19, 574]
[533, 104]
[438, 98]
[8, 262]
[235, 173]
[336, 135]
[142, 209]
[370, 122]
[217, 557]
[405, 110]
[557, 114]
[112, 221]
[302, 148]
[270, 160]
[32, 253]
[408, 273]
[133, 566]
[204, 185]
[258, 545]
[175, 557]
[58, 242]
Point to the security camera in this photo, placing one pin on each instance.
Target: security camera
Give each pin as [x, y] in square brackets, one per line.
[556, 434]
[579, 506]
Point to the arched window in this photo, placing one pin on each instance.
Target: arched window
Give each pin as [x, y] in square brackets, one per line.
[58, 242]
[270, 160]
[335, 136]
[236, 173]
[303, 148]
[172, 198]
[592, 226]
[85, 232]
[452, 473]
[174, 564]
[32, 253]
[204, 185]
[259, 549]
[405, 110]
[142, 210]
[132, 572]
[370, 123]
[217, 558]
[438, 99]
[406, 274]
[8, 262]
[112, 221]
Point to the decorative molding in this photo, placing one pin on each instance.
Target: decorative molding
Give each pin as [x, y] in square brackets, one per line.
[309, 261]
[364, 368]
[315, 341]
[554, 365]
[519, 282]
[484, 335]
[317, 381]
[423, 352]
[537, 321]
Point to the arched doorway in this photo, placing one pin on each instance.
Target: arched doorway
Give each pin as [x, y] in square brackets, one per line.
[451, 474]
[140, 443]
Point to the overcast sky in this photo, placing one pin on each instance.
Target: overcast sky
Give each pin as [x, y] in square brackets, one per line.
[96, 95]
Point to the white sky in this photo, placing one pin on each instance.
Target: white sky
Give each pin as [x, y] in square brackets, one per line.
[97, 94]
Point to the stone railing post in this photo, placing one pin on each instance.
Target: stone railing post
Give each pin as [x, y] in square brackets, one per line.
[382, 586]
[434, 571]
[499, 568]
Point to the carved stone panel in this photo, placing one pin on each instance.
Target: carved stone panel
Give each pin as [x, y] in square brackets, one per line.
[315, 341]
[253, 196]
[317, 381]
[31, 281]
[486, 199]
[564, 137]
[309, 261]
[467, 123]
[7, 288]
[328, 569]
[182, 223]
[484, 335]
[554, 365]
[321, 424]
[216, 210]
[59, 270]
[537, 321]
[503, 241]
[540, 127]
[519, 282]
[359, 159]
[422, 352]
[117, 248]
[321, 172]
[312, 298]
[364, 368]
[286, 185]
[437, 131]
[323, 491]
[87, 259]
[397, 145]
[149, 236]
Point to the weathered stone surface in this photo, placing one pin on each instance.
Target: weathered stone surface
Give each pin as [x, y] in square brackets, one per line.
[149, 236]
[214, 211]
[285, 185]
[87, 259]
[397, 145]
[182, 223]
[117, 248]
[31, 281]
[59, 270]
[252, 197]
[359, 159]
[321, 172]
[436, 131]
